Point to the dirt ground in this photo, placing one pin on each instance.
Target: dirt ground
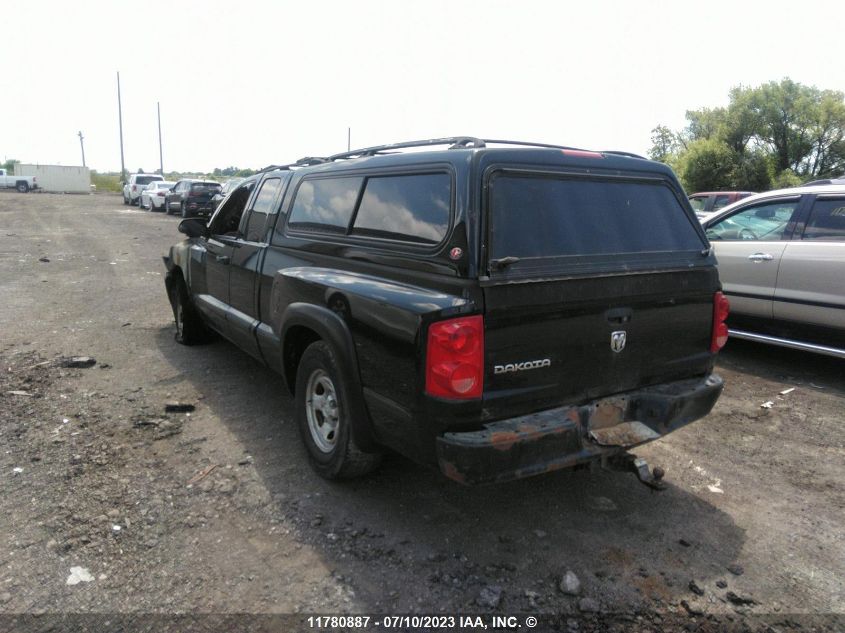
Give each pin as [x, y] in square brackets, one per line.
[216, 510]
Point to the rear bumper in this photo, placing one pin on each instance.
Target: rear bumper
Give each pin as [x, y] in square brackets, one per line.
[567, 436]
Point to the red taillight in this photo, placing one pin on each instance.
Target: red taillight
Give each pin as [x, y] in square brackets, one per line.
[455, 358]
[582, 153]
[134, 188]
[721, 308]
[160, 193]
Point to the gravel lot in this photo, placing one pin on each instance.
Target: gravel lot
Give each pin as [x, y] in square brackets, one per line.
[217, 511]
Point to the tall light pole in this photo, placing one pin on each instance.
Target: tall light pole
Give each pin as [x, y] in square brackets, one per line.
[160, 153]
[349, 139]
[82, 145]
[120, 120]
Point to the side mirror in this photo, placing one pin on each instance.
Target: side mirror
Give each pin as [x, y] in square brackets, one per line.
[194, 227]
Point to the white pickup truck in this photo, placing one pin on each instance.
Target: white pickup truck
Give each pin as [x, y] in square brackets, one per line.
[21, 183]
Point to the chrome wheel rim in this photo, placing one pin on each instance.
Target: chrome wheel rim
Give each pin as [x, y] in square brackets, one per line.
[322, 410]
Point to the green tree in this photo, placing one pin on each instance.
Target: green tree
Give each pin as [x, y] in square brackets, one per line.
[9, 165]
[708, 164]
[777, 133]
[664, 144]
[785, 112]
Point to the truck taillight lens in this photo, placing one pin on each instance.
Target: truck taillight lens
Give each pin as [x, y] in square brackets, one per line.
[134, 187]
[160, 194]
[455, 359]
[721, 308]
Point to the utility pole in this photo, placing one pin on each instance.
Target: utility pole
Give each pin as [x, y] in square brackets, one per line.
[349, 139]
[120, 120]
[160, 153]
[82, 145]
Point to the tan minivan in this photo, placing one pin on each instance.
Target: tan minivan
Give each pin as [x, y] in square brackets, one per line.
[781, 257]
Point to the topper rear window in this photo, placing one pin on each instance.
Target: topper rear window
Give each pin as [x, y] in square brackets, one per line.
[538, 216]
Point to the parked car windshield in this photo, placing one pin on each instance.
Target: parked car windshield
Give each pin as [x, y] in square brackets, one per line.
[551, 216]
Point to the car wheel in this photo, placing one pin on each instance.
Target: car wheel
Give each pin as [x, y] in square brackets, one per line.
[22, 187]
[322, 412]
[125, 199]
[190, 329]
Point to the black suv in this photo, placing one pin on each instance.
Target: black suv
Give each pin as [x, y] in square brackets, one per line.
[500, 309]
[192, 198]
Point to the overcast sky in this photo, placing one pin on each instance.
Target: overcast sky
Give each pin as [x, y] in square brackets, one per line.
[254, 83]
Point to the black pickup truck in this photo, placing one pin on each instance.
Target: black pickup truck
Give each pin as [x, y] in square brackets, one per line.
[500, 309]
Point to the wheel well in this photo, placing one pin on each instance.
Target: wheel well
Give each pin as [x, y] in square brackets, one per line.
[297, 340]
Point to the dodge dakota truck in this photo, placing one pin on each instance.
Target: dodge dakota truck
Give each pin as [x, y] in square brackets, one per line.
[498, 309]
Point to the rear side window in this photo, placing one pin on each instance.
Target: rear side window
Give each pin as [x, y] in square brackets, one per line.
[406, 207]
[549, 216]
[412, 208]
[827, 221]
[325, 204]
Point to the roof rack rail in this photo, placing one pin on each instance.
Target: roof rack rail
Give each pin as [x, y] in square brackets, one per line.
[620, 153]
[454, 142]
[307, 161]
[529, 144]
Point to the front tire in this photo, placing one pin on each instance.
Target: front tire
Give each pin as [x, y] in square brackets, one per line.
[322, 414]
[23, 187]
[190, 329]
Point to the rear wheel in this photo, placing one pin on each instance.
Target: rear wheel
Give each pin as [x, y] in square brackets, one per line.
[22, 186]
[190, 329]
[322, 412]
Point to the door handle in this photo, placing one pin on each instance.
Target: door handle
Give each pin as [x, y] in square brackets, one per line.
[761, 257]
[222, 259]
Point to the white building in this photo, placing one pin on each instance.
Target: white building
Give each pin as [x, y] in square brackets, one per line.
[58, 177]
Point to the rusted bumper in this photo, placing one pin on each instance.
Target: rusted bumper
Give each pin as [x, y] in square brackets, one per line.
[566, 436]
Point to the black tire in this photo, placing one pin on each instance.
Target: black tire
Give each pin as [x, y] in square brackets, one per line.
[125, 200]
[190, 329]
[167, 207]
[22, 186]
[331, 449]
